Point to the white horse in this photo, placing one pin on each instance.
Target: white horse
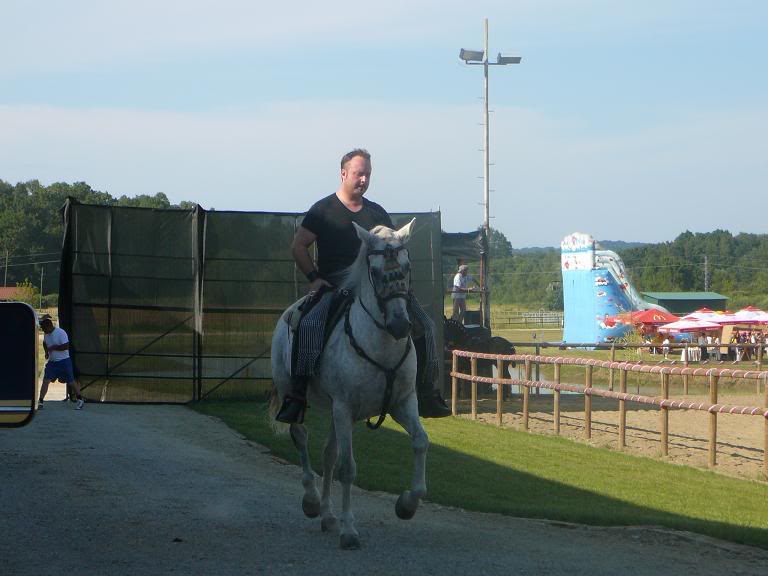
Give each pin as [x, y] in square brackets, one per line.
[367, 368]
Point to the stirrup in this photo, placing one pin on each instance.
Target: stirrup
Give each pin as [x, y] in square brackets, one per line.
[292, 410]
[432, 405]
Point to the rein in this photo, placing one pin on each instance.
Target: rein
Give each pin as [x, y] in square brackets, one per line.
[389, 373]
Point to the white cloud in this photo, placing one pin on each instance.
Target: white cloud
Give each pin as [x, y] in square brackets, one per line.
[699, 172]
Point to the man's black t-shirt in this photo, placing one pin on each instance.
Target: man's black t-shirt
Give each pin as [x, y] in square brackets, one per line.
[337, 241]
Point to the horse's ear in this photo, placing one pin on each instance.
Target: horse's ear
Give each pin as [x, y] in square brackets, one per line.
[365, 237]
[404, 234]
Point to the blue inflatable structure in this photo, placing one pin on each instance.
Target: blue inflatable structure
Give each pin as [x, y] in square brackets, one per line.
[595, 288]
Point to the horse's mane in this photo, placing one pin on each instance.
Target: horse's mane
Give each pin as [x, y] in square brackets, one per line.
[350, 276]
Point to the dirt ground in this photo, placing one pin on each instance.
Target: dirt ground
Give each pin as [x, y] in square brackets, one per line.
[740, 438]
[143, 490]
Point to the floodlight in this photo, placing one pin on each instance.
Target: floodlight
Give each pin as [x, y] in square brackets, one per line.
[471, 55]
[507, 59]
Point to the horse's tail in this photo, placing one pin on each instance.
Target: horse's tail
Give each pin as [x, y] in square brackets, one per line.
[274, 406]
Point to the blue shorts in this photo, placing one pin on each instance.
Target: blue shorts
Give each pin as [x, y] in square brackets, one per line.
[61, 371]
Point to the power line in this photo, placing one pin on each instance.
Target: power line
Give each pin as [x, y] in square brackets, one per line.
[451, 274]
[694, 265]
[632, 269]
[655, 266]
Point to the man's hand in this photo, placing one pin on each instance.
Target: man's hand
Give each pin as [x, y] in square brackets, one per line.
[314, 287]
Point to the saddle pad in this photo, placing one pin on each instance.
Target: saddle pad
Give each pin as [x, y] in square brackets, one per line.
[314, 323]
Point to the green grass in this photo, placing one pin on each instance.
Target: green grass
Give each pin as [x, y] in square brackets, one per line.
[484, 468]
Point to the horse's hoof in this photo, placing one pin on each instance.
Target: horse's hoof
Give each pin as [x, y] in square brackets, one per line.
[349, 542]
[402, 511]
[311, 508]
[329, 524]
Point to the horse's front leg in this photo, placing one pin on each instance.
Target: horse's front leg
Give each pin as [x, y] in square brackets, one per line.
[342, 420]
[310, 503]
[407, 415]
[329, 522]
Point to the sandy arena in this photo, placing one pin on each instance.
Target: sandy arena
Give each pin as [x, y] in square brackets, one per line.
[740, 438]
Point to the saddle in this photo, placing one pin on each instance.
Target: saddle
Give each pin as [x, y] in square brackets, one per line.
[340, 301]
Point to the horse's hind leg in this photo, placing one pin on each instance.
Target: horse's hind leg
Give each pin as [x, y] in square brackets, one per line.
[310, 503]
[329, 521]
[342, 420]
[407, 415]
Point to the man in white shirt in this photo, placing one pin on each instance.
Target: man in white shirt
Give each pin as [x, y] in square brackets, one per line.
[59, 365]
[665, 348]
[459, 292]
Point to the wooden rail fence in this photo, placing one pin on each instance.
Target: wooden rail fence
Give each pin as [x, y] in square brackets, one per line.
[527, 319]
[662, 401]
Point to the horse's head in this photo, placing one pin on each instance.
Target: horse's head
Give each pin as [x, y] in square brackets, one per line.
[389, 271]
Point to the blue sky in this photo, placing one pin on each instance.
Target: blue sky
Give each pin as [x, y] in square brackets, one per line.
[618, 108]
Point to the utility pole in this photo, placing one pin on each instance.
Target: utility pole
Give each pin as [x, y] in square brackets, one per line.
[478, 57]
[706, 273]
[41, 286]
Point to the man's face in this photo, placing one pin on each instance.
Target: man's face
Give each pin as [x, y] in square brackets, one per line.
[47, 326]
[356, 176]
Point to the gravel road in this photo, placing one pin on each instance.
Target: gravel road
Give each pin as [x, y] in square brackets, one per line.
[145, 490]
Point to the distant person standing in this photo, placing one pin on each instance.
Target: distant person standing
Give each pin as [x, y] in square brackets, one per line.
[716, 342]
[459, 292]
[702, 342]
[59, 366]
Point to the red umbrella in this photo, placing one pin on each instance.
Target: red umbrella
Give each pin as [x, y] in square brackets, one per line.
[749, 315]
[653, 317]
[689, 326]
[709, 316]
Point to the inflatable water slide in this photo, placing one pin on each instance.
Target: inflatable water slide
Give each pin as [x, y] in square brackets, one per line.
[595, 288]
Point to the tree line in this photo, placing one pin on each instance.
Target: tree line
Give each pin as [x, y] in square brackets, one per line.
[31, 227]
[736, 266]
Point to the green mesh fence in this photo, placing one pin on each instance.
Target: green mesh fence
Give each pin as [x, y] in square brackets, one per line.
[180, 305]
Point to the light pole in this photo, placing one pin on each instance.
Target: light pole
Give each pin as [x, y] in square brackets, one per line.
[477, 57]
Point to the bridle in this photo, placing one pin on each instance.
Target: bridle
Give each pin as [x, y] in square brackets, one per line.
[402, 281]
[390, 255]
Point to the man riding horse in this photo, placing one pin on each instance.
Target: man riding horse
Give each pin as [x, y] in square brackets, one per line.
[329, 224]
